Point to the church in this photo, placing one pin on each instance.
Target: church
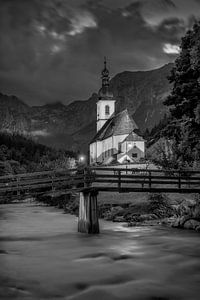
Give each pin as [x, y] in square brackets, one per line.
[117, 139]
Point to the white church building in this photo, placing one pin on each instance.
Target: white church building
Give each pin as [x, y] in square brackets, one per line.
[117, 139]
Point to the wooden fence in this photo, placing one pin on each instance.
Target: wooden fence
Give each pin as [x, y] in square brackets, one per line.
[149, 180]
[102, 179]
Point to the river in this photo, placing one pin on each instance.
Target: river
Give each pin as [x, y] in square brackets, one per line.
[43, 257]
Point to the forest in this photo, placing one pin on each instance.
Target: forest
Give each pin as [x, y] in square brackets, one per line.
[20, 154]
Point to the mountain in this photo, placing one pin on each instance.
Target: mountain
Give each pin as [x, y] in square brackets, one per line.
[143, 94]
[14, 114]
[73, 126]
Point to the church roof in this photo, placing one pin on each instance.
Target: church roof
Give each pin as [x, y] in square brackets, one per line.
[105, 93]
[121, 123]
[133, 137]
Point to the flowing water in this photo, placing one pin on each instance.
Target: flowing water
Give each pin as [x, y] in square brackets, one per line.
[43, 257]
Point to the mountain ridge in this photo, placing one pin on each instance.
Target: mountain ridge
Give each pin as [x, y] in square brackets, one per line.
[73, 126]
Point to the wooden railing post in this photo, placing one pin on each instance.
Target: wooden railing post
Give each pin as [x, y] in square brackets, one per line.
[52, 185]
[119, 180]
[85, 176]
[150, 179]
[18, 188]
[179, 179]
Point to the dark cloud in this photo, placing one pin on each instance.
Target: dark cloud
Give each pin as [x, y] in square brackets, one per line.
[52, 50]
[172, 29]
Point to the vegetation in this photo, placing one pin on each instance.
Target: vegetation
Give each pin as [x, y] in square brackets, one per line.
[182, 131]
[19, 154]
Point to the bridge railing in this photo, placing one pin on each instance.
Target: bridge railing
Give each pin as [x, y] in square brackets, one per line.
[102, 178]
[130, 179]
[41, 181]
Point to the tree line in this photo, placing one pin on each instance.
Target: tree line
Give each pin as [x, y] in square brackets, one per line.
[20, 154]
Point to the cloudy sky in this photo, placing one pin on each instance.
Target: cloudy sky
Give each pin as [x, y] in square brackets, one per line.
[52, 50]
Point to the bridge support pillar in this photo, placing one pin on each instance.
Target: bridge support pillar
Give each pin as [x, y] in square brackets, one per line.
[88, 213]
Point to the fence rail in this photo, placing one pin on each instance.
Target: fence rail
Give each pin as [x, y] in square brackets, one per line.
[102, 179]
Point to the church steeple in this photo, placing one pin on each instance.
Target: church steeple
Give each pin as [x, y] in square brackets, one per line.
[104, 92]
[105, 75]
[106, 102]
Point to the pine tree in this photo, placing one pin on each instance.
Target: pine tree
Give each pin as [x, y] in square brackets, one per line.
[184, 100]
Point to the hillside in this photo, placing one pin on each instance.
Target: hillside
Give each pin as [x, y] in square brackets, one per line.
[72, 127]
[19, 154]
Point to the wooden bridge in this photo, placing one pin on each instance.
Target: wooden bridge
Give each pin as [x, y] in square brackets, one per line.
[89, 181]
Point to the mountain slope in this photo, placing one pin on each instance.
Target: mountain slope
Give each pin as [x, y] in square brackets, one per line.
[73, 126]
[14, 114]
[143, 94]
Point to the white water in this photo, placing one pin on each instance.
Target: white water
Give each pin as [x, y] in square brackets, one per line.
[43, 257]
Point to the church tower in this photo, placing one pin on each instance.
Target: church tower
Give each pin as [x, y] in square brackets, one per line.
[106, 103]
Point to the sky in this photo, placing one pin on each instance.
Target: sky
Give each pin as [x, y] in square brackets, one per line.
[53, 50]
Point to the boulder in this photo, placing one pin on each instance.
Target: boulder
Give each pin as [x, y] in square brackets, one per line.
[191, 224]
[117, 210]
[147, 217]
[197, 228]
[119, 219]
[176, 223]
[108, 216]
[196, 211]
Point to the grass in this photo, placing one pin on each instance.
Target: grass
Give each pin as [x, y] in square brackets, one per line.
[136, 198]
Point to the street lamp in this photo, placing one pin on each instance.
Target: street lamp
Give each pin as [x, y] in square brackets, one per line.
[81, 159]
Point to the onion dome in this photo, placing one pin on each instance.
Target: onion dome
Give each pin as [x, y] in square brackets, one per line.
[104, 92]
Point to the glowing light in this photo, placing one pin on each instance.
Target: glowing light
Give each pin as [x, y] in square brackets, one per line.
[129, 145]
[171, 49]
[81, 158]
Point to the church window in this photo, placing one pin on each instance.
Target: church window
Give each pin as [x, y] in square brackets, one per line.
[134, 155]
[107, 109]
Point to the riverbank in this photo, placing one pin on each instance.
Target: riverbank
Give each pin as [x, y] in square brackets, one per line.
[136, 209]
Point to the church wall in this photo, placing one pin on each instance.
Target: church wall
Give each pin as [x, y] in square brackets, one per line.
[118, 139]
[99, 151]
[107, 147]
[96, 152]
[92, 153]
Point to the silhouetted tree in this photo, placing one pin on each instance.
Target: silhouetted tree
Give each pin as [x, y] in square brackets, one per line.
[184, 101]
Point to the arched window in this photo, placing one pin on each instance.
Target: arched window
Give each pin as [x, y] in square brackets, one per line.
[107, 109]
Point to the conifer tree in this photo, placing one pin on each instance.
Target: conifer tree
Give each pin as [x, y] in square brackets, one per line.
[184, 100]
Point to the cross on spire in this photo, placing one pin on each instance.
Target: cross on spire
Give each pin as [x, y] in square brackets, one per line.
[105, 62]
[105, 75]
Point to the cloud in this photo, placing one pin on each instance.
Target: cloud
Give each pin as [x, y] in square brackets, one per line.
[80, 22]
[156, 11]
[171, 49]
[171, 30]
[53, 50]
